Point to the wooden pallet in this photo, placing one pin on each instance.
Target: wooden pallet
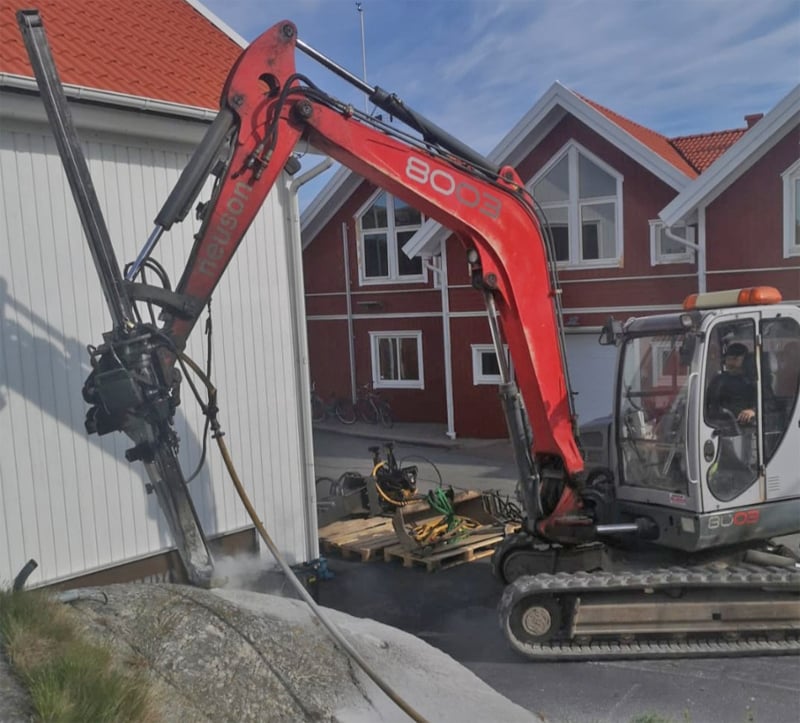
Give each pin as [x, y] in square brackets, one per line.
[369, 538]
[364, 538]
[474, 547]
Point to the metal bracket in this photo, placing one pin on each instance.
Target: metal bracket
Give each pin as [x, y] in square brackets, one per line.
[179, 305]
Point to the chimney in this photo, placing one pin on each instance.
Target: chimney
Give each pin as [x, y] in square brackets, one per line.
[751, 120]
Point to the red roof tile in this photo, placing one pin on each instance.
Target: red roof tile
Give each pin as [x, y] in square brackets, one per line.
[161, 49]
[654, 141]
[703, 149]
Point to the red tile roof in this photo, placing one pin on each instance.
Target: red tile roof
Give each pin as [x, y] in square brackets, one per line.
[689, 154]
[703, 149]
[654, 141]
[161, 49]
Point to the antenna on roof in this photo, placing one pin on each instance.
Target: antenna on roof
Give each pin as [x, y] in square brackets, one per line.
[360, 10]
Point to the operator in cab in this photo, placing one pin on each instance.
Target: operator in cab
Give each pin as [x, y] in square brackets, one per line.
[731, 390]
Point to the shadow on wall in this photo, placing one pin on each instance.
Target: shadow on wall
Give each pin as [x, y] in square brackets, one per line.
[48, 369]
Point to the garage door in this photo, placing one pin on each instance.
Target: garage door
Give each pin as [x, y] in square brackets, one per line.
[591, 371]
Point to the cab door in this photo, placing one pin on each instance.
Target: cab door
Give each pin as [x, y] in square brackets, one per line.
[731, 453]
[780, 388]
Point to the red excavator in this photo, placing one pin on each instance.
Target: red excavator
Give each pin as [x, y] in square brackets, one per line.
[649, 535]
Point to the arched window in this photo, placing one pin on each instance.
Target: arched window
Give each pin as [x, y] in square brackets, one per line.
[582, 201]
[384, 225]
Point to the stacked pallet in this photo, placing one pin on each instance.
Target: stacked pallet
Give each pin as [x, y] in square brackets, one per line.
[366, 538]
[375, 538]
[439, 557]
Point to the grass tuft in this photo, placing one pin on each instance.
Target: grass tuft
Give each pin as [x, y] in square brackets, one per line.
[68, 677]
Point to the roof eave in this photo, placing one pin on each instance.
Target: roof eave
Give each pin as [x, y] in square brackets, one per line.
[736, 160]
[427, 241]
[220, 24]
[327, 203]
[623, 140]
[111, 98]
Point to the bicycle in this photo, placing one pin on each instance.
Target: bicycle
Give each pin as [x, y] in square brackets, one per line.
[372, 407]
[340, 408]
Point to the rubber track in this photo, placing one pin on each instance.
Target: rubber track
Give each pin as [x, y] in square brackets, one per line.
[739, 577]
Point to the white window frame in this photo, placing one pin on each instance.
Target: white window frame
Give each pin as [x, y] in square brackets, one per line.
[478, 377]
[392, 251]
[572, 149]
[656, 257]
[377, 382]
[790, 178]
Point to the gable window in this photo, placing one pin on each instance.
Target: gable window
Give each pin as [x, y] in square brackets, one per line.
[384, 225]
[666, 250]
[581, 197]
[397, 359]
[485, 365]
[791, 210]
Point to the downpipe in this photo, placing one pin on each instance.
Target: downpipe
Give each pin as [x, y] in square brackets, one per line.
[24, 574]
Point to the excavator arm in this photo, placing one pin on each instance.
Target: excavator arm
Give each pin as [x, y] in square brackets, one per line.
[266, 110]
[269, 109]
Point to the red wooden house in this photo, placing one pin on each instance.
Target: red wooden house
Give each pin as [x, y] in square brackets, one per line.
[639, 222]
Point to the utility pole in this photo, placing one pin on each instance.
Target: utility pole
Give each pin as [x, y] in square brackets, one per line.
[360, 10]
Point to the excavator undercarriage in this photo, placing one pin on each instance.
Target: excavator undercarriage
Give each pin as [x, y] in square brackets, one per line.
[674, 612]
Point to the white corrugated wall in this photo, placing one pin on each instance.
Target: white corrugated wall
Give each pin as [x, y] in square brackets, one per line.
[70, 500]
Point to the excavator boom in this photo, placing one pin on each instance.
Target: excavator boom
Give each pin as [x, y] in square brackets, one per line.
[490, 211]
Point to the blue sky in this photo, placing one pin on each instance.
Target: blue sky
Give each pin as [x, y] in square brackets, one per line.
[475, 67]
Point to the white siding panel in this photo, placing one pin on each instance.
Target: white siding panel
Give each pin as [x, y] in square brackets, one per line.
[70, 500]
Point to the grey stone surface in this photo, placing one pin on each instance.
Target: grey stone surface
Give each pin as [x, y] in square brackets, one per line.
[212, 660]
[233, 655]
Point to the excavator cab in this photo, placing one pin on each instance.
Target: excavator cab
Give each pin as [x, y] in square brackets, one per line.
[706, 424]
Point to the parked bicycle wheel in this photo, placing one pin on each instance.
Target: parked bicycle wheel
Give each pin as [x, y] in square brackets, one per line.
[345, 411]
[318, 411]
[366, 410]
[385, 414]
[326, 487]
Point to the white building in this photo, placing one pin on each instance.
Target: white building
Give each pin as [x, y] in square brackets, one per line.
[69, 500]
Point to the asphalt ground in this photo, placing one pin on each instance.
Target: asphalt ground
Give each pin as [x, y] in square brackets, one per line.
[455, 610]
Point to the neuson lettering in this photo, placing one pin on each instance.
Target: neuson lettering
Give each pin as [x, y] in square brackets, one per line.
[221, 234]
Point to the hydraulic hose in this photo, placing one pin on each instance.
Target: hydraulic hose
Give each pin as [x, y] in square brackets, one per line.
[298, 586]
[304, 594]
